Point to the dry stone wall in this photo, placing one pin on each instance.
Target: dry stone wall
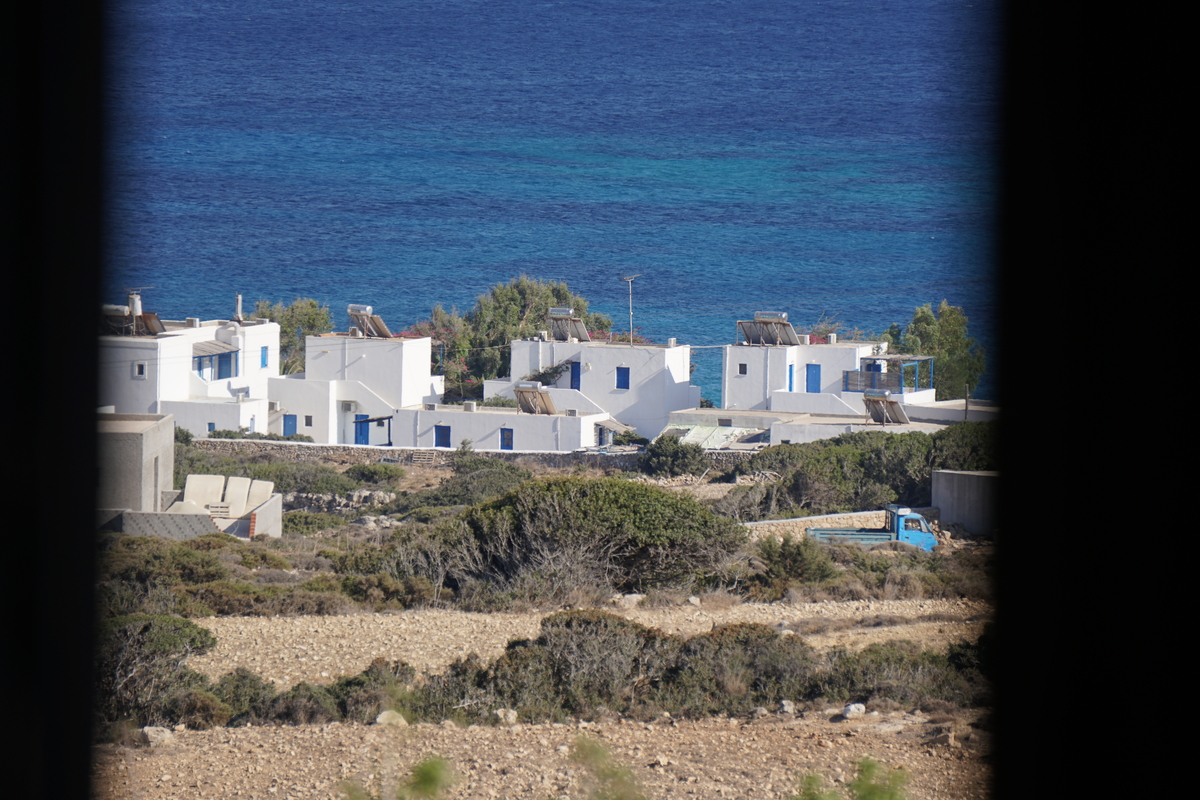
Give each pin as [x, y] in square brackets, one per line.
[798, 527]
[344, 454]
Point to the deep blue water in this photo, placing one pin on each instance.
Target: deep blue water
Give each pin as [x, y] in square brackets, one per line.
[811, 157]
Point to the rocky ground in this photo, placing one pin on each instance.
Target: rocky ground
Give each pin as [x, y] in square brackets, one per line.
[715, 758]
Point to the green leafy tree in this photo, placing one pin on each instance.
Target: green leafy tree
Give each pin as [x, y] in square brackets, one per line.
[474, 347]
[304, 317]
[958, 360]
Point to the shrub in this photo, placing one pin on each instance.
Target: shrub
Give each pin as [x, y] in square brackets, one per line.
[306, 523]
[868, 784]
[304, 704]
[735, 668]
[898, 670]
[140, 664]
[247, 695]
[627, 535]
[602, 659]
[611, 781]
[382, 685]
[379, 474]
[669, 457]
[788, 563]
[148, 560]
[199, 710]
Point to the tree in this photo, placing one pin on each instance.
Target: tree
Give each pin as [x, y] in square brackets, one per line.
[304, 317]
[958, 361]
[474, 347]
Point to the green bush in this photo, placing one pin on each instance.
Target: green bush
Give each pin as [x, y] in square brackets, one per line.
[199, 710]
[140, 664]
[382, 685]
[622, 534]
[667, 456]
[304, 704]
[150, 560]
[868, 784]
[306, 523]
[377, 474]
[734, 668]
[787, 563]
[247, 695]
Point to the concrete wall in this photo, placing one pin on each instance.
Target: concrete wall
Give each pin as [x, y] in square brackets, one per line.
[137, 460]
[227, 415]
[395, 370]
[953, 411]
[765, 384]
[531, 432]
[814, 403]
[967, 499]
[267, 519]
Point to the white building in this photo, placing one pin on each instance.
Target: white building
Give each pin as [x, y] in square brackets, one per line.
[352, 377]
[772, 368]
[210, 374]
[639, 384]
[368, 387]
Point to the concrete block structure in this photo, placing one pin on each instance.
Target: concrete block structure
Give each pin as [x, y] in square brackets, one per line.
[137, 460]
[967, 499]
[208, 374]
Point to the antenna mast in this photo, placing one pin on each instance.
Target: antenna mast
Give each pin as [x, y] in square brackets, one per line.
[629, 279]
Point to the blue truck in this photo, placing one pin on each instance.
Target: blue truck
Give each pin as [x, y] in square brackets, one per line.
[903, 525]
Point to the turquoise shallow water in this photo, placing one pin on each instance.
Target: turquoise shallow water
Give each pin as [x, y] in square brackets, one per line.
[816, 158]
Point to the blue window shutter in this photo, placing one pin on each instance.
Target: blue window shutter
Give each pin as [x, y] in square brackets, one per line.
[264, 358]
[441, 435]
[622, 377]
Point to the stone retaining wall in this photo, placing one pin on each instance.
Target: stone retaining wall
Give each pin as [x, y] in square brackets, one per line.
[347, 455]
[799, 527]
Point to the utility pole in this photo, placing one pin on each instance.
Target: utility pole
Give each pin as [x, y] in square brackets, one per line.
[629, 279]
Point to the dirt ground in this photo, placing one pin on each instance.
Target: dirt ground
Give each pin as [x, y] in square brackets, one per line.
[944, 756]
[717, 758]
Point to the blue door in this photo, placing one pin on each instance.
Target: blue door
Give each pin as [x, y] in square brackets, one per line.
[575, 375]
[225, 366]
[289, 424]
[362, 430]
[441, 435]
[506, 438]
[812, 380]
[791, 377]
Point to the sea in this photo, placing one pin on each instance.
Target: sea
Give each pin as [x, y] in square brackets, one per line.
[833, 159]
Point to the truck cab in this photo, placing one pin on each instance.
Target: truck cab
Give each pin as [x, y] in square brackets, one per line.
[907, 526]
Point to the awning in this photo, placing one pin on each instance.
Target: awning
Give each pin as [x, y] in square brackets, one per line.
[212, 348]
[614, 426]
